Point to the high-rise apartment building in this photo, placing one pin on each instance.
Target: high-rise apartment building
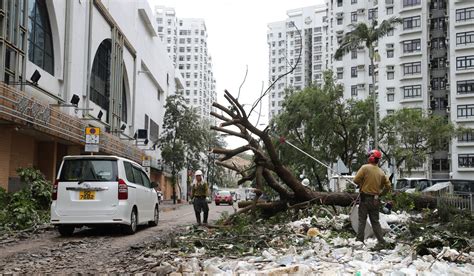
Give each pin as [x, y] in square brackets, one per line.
[301, 33]
[186, 40]
[426, 63]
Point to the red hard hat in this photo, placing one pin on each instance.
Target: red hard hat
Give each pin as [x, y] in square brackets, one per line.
[374, 156]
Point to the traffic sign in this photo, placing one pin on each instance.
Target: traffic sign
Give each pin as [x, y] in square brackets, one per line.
[92, 135]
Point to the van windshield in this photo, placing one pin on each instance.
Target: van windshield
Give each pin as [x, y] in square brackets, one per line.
[402, 183]
[89, 170]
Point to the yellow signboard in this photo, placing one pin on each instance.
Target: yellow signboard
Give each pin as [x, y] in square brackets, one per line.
[92, 130]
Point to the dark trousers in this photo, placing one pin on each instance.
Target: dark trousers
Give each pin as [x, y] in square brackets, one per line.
[369, 206]
[200, 205]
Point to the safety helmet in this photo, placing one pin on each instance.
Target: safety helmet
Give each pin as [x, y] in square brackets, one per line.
[198, 172]
[375, 156]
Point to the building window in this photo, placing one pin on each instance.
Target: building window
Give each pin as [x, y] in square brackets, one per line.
[466, 160]
[438, 83]
[412, 68]
[389, 10]
[339, 3]
[440, 165]
[411, 46]
[373, 14]
[390, 112]
[354, 54]
[412, 91]
[390, 95]
[465, 87]
[124, 101]
[465, 111]
[354, 72]
[40, 46]
[466, 62]
[354, 90]
[390, 75]
[353, 17]
[409, 3]
[465, 14]
[464, 38]
[466, 136]
[100, 76]
[411, 22]
[340, 73]
[353, 1]
[390, 53]
[371, 69]
[339, 21]
[438, 24]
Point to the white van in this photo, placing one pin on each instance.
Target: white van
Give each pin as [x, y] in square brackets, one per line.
[413, 184]
[96, 190]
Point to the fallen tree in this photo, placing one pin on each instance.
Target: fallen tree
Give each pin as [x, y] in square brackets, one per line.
[267, 166]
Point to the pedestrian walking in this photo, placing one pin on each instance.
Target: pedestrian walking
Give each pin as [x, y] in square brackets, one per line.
[372, 182]
[199, 194]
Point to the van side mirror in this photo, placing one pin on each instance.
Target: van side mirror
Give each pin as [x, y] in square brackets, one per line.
[154, 185]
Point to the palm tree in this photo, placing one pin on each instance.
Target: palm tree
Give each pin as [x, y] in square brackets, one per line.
[363, 34]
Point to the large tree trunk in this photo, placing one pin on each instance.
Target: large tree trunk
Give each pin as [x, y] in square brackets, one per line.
[340, 199]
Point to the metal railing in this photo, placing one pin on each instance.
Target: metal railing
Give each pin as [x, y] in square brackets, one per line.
[458, 200]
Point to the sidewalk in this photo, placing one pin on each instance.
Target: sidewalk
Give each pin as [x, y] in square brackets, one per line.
[167, 205]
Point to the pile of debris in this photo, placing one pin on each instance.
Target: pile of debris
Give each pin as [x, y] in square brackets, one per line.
[311, 244]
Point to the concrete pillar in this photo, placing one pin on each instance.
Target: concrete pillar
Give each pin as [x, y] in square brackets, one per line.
[47, 152]
[5, 152]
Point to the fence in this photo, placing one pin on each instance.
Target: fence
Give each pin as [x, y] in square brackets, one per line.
[459, 200]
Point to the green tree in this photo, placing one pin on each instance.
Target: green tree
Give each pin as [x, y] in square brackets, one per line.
[408, 137]
[362, 34]
[182, 139]
[321, 123]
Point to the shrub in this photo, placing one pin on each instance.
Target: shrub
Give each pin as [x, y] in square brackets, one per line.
[29, 206]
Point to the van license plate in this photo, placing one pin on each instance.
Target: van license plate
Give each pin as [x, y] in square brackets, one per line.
[86, 195]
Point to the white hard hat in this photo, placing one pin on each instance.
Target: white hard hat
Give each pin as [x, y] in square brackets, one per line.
[305, 182]
[198, 172]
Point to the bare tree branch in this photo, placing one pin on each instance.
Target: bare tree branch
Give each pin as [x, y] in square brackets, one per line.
[245, 78]
[230, 132]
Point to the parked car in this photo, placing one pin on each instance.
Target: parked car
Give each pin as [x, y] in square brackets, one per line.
[412, 184]
[223, 197]
[100, 190]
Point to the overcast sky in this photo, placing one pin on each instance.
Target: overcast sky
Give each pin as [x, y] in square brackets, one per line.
[237, 38]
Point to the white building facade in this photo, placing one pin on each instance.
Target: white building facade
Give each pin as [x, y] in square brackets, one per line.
[426, 63]
[186, 40]
[111, 65]
[285, 44]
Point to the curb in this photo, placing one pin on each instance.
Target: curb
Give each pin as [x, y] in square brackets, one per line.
[167, 208]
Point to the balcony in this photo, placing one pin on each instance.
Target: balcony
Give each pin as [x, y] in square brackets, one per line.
[437, 53]
[438, 13]
[439, 72]
[439, 93]
[435, 33]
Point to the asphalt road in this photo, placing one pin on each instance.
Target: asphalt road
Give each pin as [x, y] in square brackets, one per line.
[91, 250]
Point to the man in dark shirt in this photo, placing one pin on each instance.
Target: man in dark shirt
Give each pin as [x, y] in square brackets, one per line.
[199, 193]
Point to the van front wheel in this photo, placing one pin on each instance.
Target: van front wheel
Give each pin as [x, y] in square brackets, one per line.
[156, 217]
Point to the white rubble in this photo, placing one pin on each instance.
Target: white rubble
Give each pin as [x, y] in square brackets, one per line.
[340, 256]
[322, 258]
